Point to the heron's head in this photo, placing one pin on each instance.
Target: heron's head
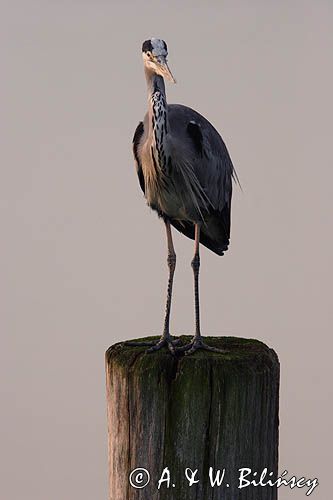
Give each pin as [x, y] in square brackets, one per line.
[154, 53]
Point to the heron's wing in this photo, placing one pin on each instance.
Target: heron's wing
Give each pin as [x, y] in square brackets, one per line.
[204, 149]
[138, 134]
[214, 170]
[211, 164]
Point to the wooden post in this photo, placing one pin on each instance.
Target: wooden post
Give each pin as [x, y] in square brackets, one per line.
[202, 411]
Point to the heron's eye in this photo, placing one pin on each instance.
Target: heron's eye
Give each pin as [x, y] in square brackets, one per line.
[149, 54]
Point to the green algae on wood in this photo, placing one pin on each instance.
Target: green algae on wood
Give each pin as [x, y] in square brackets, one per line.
[200, 411]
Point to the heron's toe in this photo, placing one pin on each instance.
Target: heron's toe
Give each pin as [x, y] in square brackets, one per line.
[194, 346]
[168, 341]
[190, 348]
[157, 346]
[197, 344]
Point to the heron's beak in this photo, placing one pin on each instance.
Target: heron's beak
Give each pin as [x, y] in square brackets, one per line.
[165, 70]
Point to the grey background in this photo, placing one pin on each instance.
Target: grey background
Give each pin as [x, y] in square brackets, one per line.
[82, 257]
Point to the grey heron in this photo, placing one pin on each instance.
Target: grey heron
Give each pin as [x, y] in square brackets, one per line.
[186, 174]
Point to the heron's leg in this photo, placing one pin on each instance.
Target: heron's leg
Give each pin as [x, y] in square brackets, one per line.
[196, 266]
[172, 266]
[197, 341]
[166, 338]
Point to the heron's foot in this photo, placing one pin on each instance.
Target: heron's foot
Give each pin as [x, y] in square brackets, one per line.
[165, 341]
[198, 343]
[156, 345]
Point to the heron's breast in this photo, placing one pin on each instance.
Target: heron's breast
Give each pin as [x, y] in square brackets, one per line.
[163, 190]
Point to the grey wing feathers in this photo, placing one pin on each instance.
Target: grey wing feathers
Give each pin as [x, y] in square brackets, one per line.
[211, 162]
[214, 170]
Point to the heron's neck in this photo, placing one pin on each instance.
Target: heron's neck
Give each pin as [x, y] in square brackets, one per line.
[158, 116]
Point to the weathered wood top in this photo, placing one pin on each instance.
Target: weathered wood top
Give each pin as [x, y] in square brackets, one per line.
[250, 353]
